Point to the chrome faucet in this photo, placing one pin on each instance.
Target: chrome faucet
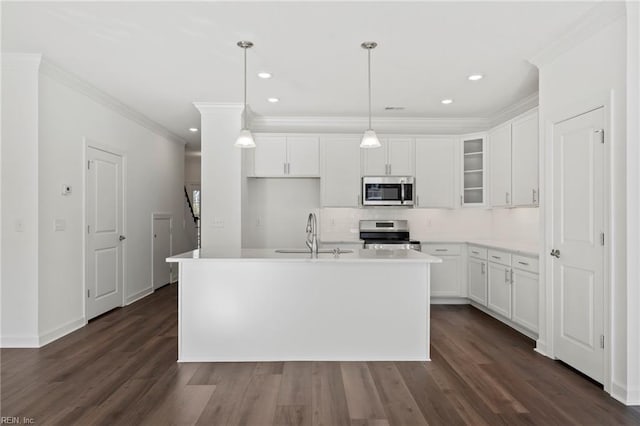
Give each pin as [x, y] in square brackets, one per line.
[312, 233]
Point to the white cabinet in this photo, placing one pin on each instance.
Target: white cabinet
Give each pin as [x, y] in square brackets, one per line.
[447, 278]
[500, 165]
[436, 171]
[473, 170]
[524, 154]
[340, 171]
[477, 267]
[513, 162]
[286, 156]
[394, 157]
[525, 299]
[499, 289]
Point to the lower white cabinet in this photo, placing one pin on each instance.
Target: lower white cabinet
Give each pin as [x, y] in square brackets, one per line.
[525, 299]
[478, 280]
[499, 289]
[447, 278]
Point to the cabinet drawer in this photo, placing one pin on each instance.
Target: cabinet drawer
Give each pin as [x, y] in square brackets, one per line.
[501, 257]
[525, 263]
[442, 249]
[477, 252]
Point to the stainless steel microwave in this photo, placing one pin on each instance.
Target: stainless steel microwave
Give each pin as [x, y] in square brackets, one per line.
[388, 190]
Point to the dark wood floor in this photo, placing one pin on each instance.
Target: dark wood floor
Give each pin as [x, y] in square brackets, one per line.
[121, 370]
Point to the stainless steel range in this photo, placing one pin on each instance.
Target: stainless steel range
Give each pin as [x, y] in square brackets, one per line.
[387, 234]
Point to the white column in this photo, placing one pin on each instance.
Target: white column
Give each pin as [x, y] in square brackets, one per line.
[19, 287]
[221, 186]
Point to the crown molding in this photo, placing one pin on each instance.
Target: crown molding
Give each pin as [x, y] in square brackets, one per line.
[591, 22]
[395, 125]
[514, 110]
[205, 107]
[74, 82]
[21, 60]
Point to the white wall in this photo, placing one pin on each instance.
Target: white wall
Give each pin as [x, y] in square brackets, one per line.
[192, 168]
[583, 77]
[277, 211]
[19, 292]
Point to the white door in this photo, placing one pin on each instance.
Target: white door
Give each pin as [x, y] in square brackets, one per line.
[161, 250]
[400, 157]
[270, 156]
[105, 241]
[435, 173]
[303, 156]
[578, 287]
[499, 289]
[524, 155]
[340, 174]
[478, 281]
[500, 165]
[374, 160]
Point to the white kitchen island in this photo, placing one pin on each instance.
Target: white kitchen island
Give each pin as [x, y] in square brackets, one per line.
[259, 305]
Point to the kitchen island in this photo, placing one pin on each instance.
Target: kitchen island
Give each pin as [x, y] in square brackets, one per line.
[260, 305]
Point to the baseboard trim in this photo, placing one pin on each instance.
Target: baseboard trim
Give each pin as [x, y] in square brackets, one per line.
[61, 331]
[619, 392]
[541, 348]
[530, 334]
[449, 301]
[19, 341]
[139, 295]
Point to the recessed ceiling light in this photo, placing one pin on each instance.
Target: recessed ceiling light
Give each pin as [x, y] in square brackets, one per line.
[273, 100]
[264, 75]
[475, 77]
[447, 101]
[193, 129]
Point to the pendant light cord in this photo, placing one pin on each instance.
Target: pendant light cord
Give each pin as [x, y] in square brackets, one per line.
[244, 111]
[369, 67]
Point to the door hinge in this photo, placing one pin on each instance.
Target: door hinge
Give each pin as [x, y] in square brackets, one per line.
[602, 238]
[600, 133]
[602, 341]
[88, 293]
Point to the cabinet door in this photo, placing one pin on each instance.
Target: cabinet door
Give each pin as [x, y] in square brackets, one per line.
[400, 157]
[445, 277]
[525, 299]
[270, 156]
[524, 154]
[339, 172]
[499, 289]
[374, 160]
[303, 156]
[500, 165]
[478, 281]
[435, 173]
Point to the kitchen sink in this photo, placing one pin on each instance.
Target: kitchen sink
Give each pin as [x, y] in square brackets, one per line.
[320, 251]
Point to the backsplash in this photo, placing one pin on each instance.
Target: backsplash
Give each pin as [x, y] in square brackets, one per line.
[520, 224]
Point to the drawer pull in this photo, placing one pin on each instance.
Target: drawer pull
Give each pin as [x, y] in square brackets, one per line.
[442, 249]
[523, 263]
[496, 257]
[475, 252]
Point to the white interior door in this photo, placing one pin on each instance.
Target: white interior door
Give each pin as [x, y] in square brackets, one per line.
[104, 212]
[161, 250]
[577, 225]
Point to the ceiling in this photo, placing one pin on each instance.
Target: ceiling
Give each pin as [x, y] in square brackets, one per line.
[160, 57]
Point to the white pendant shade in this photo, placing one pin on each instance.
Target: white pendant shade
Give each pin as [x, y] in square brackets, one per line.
[245, 139]
[370, 140]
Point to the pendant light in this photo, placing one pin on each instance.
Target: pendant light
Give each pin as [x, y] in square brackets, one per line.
[245, 138]
[369, 139]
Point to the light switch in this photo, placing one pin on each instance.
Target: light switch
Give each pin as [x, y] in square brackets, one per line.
[218, 223]
[59, 225]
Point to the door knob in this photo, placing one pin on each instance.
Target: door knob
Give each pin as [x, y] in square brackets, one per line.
[555, 253]
[122, 237]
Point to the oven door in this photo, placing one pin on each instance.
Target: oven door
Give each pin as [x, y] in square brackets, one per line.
[387, 191]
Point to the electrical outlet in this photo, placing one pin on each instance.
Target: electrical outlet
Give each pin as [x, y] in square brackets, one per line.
[218, 223]
[59, 225]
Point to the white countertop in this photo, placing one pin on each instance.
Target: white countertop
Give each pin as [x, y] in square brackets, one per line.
[270, 255]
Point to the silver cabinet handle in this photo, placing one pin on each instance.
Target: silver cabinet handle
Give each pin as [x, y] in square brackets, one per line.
[389, 165]
[506, 275]
[358, 200]
[523, 263]
[475, 252]
[417, 201]
[461, 200]
[482, 268]
[442, 249]
[512, 276]
[284, 166]
[496, 257]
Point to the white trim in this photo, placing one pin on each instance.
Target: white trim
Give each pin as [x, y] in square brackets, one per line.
[512, 112]
[205, 107]
[76, 83]
[155, 216]
[21, 60]
[590, 23]
[530, 334]
[19, 342]
[450, 300]
[139, 295]
[61, 331]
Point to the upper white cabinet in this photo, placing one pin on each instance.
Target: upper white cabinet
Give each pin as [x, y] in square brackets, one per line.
[436, 160]
[395, 157]
[514, 162]
[524, 155]
[473, 170]
[340, 172]
[286, 156]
